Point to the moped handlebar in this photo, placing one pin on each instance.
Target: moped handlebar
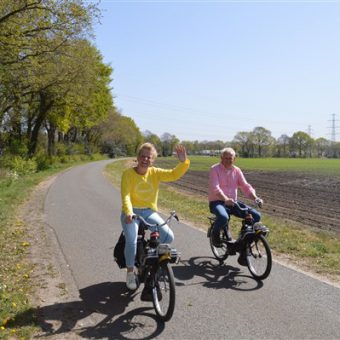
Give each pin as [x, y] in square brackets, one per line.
[259, 203]
[150, 225]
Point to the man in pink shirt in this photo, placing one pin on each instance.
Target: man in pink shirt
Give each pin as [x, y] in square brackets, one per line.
[224, 180]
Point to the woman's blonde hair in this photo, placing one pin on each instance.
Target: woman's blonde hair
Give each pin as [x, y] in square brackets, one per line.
[147, 146]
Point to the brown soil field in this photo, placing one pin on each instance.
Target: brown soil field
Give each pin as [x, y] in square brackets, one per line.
[309, 199]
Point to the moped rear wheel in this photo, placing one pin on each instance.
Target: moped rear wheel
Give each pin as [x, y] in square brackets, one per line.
[259, 257]
[220, 253]
[163, 292]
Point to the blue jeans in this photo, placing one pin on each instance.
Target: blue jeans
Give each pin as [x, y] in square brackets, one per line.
[166, 235]
[223, 213]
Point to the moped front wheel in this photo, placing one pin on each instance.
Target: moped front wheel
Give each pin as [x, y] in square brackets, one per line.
[163, 292]
[259, 257]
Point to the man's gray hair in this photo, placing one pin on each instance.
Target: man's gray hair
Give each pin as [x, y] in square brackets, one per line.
[231, 151]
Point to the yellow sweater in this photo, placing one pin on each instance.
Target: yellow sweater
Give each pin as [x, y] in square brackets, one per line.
[139, 191]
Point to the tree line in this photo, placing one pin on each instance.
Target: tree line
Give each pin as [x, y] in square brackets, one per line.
[55, 95]
[256, 143]
[260, 143]
[56, 99]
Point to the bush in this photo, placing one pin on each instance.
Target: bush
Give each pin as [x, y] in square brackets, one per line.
[75, 149]
[113, 150]
[18, 147]
[63, 159]
[43, 162]
[19, 165]
[60, 149]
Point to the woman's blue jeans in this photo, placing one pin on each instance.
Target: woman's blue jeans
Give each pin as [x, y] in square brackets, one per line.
[223, 213]
[166, 235]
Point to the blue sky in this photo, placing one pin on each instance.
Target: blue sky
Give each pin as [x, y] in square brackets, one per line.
[205, 70]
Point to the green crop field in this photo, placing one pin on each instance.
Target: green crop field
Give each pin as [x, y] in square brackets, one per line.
[326, 167]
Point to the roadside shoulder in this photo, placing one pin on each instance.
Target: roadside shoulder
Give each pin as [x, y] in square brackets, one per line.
[54, 290]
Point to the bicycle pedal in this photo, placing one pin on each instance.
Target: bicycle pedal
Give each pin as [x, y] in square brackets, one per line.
[232, 247]
[231, 252]
[242, 261]
[146, 294]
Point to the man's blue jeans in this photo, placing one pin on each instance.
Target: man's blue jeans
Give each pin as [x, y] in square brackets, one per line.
[223, 213]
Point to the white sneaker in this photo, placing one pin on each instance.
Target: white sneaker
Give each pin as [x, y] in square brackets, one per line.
[131, 281]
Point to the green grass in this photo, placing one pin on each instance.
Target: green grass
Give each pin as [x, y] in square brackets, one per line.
[17, 317]
[314, 251]
[114, 171]
[327, 167]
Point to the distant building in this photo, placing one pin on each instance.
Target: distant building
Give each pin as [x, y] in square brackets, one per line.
[209, 152]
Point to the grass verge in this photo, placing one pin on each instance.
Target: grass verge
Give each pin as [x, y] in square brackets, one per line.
[317, 252]
[17, 317]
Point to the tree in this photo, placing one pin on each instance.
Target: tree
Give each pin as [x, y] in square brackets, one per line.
[74, 92]
[118, 135]
[322, 146]
[30, 28]
[334, 150]
[51, 76]
[262, 140]
[89, 99]
[243, 143]
[189, 146]
[282, 145]
[300, 144]
[168, 143]
[154, 139]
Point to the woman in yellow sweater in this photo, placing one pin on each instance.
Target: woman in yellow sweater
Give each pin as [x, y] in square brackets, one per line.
[139, 192]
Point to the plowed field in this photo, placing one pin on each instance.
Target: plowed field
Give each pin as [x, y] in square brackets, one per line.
[309, 199]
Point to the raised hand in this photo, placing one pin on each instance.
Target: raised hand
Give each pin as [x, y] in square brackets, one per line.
[181, 152]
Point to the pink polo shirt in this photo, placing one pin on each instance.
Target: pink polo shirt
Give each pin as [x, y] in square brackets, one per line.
[227, 181]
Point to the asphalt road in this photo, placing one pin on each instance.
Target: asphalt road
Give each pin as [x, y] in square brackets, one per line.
[212, 301]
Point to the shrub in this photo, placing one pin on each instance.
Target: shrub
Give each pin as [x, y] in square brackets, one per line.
[43, 162]
[19, 165]
[60, 149]
[18, 147]
[75, 149]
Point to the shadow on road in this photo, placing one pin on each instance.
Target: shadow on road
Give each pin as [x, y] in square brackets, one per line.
[98, 314]
[214, 275]
[101, 310]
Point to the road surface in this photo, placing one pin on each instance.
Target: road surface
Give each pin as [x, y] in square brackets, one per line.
[212, 301]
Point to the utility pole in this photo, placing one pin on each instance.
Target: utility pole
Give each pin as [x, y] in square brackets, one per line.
[333, 128]
[309, 130]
